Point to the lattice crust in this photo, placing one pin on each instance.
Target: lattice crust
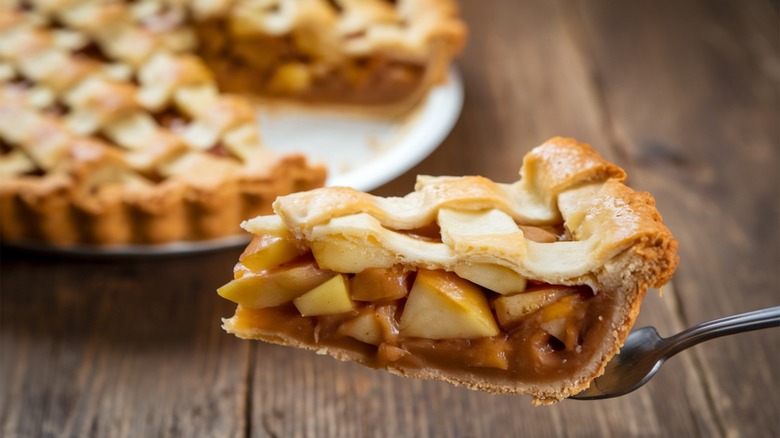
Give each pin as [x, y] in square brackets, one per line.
[120, 106]
[562, 181]
[112, 133]
[403, 29]
[613, 241]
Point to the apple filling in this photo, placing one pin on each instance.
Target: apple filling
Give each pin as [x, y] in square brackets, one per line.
[303, 67]
[409, 316]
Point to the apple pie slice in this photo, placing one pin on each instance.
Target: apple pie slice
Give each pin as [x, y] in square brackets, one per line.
[523, 288]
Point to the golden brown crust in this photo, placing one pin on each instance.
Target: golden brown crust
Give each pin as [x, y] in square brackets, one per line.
[50, 210]
[618, 246]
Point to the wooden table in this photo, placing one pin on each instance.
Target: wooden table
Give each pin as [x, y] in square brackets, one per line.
[682, 94]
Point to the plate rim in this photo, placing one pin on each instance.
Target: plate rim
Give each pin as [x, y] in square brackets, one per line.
[445, 102]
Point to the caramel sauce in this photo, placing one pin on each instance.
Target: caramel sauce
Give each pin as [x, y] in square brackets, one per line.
[4, 147]
[428, 233]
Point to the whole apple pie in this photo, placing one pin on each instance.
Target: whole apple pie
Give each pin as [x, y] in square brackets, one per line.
[135, 121]
[524, 288]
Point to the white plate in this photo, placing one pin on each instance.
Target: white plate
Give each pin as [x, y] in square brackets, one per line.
[359, 152]
[364, 153]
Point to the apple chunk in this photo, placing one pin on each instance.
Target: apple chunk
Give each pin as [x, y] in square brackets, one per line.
[442, 305]
[329, 298]
[366, 327]
[372, 325]
[275, 287]
[561, 319]
[511, 309]
[268, 251]
[378, 284]
[496, 278]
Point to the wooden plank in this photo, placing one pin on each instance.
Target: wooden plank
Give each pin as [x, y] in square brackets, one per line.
[118, 348]
[705, 141]
[321, 396]
[682, 94]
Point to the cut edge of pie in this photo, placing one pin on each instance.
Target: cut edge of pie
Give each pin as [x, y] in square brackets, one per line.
[362, 57]
[522, 288]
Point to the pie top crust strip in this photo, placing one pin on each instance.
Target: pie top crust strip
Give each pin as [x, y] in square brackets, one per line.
[560, 180]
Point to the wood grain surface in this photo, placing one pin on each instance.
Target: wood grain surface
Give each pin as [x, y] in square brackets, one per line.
[684, 95]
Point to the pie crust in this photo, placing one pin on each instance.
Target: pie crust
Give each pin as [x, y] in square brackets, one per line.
[133, 122]
[550, 271]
